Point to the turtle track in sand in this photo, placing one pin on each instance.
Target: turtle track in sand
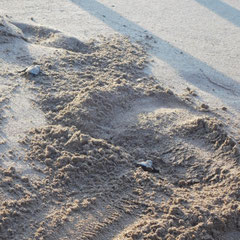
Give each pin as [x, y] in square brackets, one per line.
[18, 113]
[105, 114]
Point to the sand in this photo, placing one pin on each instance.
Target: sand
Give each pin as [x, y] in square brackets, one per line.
[69, 153]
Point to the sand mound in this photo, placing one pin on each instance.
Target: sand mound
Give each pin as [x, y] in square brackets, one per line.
[8, 31]
[59, 40]
[105, 114]
[51, 38]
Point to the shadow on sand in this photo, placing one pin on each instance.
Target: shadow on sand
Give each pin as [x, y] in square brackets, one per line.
[188, 67]
[223, 10]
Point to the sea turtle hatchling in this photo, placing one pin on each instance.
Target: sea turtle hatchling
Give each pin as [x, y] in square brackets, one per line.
[32, 70]
[147, 166]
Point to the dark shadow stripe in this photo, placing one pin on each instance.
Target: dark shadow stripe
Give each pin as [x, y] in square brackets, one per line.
[223, 10]
[190, 68]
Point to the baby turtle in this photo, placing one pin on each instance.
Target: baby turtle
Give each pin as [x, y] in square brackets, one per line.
[32, 70]
[147, 166]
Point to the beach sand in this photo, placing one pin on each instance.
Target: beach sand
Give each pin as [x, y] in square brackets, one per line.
[72, 135]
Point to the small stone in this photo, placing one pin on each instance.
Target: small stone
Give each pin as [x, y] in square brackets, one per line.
[170, 92]
[193, 93]
[205, 106]
[224, 108]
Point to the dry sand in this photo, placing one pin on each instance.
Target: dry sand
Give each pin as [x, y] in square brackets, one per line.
[68, 164]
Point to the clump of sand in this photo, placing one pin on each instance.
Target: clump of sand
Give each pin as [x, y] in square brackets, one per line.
[105, 113]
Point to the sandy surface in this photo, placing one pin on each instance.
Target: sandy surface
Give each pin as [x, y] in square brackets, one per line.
[119, 84]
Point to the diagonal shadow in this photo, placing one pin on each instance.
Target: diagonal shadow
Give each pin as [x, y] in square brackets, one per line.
[223, 10]
[190, 68]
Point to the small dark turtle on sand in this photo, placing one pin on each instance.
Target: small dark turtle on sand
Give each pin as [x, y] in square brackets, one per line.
[147, 166]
